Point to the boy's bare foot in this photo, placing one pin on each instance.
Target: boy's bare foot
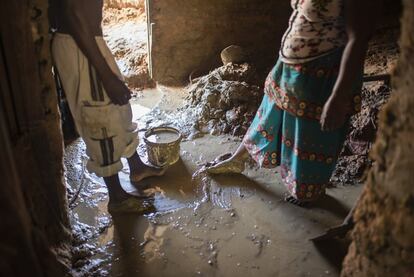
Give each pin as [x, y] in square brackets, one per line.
[140, 171]
[145, 172]
[122, 202]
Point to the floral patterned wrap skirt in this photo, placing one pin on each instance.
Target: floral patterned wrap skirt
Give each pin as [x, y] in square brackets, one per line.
[286, 131]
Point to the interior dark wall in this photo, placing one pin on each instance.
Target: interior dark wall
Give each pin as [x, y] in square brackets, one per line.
[188, 35]
[34, 217]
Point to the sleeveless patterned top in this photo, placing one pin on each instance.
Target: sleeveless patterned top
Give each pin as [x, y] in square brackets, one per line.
[316, 28]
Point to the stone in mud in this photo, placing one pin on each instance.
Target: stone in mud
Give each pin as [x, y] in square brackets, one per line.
[225, 128]
[231, 115]
[233, 54]
[215, 131]
[218, 113]
[211, 124]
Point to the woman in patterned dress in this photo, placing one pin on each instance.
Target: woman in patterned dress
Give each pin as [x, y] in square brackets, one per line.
[310, 95]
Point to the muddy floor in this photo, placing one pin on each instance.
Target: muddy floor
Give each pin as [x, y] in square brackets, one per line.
[236, 225]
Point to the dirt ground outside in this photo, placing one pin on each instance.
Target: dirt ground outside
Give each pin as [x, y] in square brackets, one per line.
[125, 32]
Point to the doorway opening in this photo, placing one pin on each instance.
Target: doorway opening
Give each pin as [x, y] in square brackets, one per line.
[125, 31]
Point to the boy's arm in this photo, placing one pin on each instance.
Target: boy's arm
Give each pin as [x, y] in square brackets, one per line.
[81, 31]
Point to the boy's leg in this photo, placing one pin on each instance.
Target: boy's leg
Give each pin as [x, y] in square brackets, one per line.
[92, 112]
[115, 191]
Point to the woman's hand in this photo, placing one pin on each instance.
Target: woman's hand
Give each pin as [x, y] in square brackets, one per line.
[117, 91]
[335, 113]
[359, 30]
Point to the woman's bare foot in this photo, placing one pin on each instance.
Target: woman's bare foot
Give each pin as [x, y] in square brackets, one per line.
[140, 171]
[233, 164]
[230, 165]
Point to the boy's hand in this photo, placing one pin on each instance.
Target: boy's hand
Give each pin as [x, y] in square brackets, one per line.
[117, 91]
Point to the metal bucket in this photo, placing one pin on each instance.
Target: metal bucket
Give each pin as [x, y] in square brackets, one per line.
[163, 154]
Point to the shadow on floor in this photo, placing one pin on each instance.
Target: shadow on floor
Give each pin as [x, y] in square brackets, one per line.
[334, 251]
[243, 182]
[332, 205]
[126, 229]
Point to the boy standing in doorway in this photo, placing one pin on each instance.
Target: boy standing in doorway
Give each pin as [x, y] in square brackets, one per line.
[98, 98]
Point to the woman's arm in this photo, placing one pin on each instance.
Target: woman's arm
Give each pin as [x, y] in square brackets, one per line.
[360, 20]
[81, 29]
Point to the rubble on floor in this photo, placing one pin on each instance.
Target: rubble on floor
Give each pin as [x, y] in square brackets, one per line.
[354, 159]
[382, 56]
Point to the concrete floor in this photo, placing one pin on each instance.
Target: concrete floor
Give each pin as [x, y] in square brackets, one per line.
[235, 225]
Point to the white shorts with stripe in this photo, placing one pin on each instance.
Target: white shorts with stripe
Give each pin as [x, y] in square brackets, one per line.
[107, 129]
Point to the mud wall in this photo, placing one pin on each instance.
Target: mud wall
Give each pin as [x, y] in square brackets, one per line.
[187, 36]
[383, 238]
[35, 228]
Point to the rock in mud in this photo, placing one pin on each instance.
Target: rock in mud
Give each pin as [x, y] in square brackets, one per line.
[233, 54]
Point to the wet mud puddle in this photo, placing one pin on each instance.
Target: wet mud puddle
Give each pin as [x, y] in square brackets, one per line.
[235, 225]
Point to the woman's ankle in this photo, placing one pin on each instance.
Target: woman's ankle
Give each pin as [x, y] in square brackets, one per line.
[240, 155]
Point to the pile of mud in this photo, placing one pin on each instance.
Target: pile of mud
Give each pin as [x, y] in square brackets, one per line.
[224, 101]
[354, 159]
